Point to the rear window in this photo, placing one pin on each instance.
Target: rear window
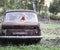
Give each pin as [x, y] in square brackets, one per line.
[20, 17]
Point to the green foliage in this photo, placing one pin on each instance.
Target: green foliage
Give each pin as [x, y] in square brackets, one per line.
[1, 3]
[1, 12]
[30, 6]
[55, 7]
[21, 4]
[50, 26]
[55, 17]
[31, 47]
[39, 4]
[10, 4]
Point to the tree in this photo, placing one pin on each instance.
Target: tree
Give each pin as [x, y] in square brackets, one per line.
[39, 4]
[22, 4]
[1, 3]
[55, 7]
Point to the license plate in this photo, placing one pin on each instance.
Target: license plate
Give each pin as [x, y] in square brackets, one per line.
[19, 32]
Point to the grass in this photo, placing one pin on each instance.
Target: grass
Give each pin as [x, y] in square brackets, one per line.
[31, 47]
[50, 36]
[37, 47]
[50, 26]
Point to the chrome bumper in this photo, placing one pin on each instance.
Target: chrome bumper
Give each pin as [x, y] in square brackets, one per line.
[20, 37]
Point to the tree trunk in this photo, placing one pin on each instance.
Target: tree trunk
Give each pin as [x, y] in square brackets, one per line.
[33, 4]
[4, 5]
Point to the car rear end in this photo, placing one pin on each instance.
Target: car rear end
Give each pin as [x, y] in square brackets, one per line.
[22, 26]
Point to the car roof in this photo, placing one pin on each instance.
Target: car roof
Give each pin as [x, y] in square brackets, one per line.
[21, 10]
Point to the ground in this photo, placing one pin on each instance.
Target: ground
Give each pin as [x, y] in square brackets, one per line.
[51, 32]
[50, 41]
[30, 47]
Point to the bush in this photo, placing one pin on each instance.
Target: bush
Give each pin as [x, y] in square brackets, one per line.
[42, 15]
[1, 12]
[55, 17]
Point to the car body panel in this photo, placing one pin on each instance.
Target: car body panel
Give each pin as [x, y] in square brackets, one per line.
[22, 27]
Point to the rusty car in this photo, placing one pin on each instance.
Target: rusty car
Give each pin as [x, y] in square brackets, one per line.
[21, 24]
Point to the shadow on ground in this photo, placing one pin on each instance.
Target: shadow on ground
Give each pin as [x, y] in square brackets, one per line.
[16, 42]
[48, 42]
